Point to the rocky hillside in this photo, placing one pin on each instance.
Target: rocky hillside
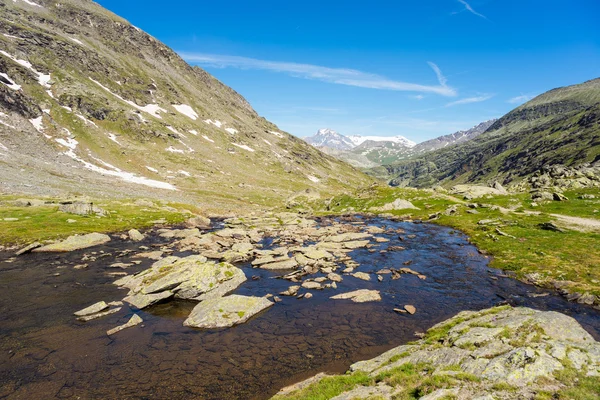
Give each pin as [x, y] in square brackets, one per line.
[90, 104]
[453, 138]
[560, 127]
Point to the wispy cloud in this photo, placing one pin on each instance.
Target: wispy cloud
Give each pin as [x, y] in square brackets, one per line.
[340, 76]
[418, 97]
[470, 9]
[519, 99]
[469, 100]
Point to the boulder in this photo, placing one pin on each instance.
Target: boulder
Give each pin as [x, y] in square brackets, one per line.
[135, 235]
[76, 242]
[224, 312]
[198, 222]
[362, 275]
[398, 204]
[81, 208]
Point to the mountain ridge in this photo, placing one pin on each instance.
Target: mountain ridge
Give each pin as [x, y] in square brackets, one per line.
[86, 97]
[559, 127]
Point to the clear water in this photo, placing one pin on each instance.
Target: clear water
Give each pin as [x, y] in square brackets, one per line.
[46, 353]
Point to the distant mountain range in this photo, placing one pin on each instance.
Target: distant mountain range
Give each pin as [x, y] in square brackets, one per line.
[372, 151]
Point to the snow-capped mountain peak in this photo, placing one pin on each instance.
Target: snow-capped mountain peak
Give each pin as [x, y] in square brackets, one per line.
[358, 140]
[329, 138]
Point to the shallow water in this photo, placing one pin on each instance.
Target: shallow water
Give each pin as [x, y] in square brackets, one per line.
[46, 353]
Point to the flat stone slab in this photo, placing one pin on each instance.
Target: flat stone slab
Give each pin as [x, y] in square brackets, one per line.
[76, 242]
[87, 318]
[224, 312]
[93, 309]
[362, 275]
[141, 300]
[133, 321]
[359, 296]
[290, 263]
[347, 237]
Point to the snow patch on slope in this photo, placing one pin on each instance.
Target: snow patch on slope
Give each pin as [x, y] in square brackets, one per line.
[243, 146]
[186, 110]
[11, 84]
[152, 109]
[216, 123]
[116, 172]
[43, 79]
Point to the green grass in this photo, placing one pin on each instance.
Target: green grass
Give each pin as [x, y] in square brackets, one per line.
[47, 223]
[329, 387]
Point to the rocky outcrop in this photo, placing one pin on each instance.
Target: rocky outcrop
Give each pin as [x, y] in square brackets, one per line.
[190, 277]
[502, 353]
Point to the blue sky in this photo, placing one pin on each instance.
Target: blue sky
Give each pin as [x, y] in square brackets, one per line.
[419, 69]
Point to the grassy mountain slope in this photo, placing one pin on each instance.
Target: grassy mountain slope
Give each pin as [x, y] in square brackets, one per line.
[561, 126]
[92, 105]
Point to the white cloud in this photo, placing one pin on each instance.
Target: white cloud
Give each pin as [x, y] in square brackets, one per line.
[469, 100]
[417, 97]
[519, 99]
[470, 9]
[340, 76]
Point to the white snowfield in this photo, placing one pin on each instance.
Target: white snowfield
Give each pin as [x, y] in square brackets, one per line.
[231, 130]
[43, 79]
[76, 41]
[38, 124]
[216, 123]
[278, 134]
[267, 142]
[185, 173]
[31, 3]
[186, 110]
[3, 147]
[11, 84]
[174, 150]
[113, 137]
[357, 140]
[313, 178]
[243, 146]
[152, 109]
[113, 171]
[193, 132]
[207, 138]
[70, 143]
[152, 169]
